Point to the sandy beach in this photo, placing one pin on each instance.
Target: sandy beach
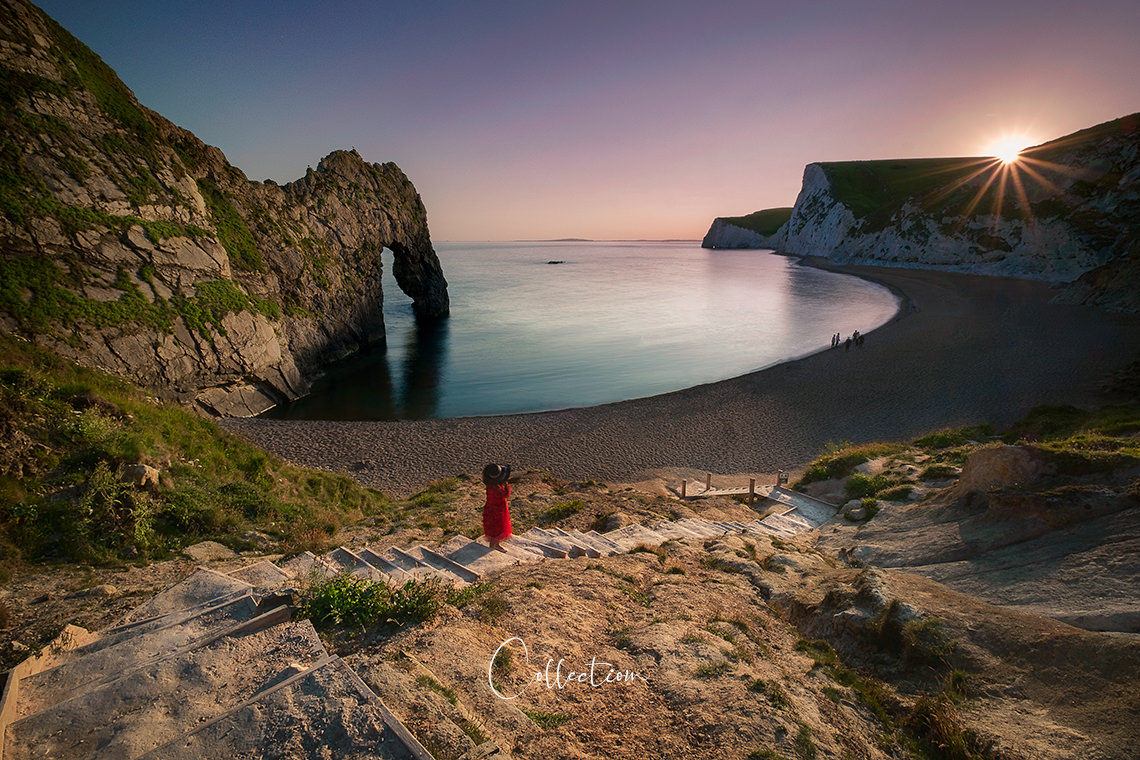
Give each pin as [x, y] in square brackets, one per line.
[963, 349]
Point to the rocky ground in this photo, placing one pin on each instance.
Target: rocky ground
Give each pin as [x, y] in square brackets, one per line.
[731, 647]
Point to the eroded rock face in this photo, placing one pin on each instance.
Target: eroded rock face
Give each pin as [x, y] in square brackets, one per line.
[1000, 466]
[725, 234]
[130, 245]
[1066, 212]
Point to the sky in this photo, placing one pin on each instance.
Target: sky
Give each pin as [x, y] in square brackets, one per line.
[613, 119]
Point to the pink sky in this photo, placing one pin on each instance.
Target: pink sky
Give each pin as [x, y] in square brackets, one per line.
[617, 119]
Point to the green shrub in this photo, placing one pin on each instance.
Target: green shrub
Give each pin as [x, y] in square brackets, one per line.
[1091, 453]
[896, 493]
[938, 471]
[546, 719]
[924, 642]
[805, 746]
[1047, 423]
[773, 691]
[939, 726]
[819, 651]
[712, 669]
[562, 510]
[947, 439]
[765, 754]
[346, 600]
[860, 485]
[430, 683]
[841, 460]
[84, 425]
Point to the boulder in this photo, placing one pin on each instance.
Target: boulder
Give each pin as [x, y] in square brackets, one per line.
[1000, 466]
[141, 475]
[207, 551]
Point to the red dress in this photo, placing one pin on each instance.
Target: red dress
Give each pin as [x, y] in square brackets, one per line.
[496, 514]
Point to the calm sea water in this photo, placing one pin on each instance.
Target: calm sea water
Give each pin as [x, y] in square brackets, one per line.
[613, 321]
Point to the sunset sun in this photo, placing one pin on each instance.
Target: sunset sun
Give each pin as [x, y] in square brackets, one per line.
[1008, 149]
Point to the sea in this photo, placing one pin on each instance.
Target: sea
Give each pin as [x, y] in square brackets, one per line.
[538, 326]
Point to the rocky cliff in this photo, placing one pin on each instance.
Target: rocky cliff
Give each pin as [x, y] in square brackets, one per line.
[128, 244]
[762, 229]
[1067, 209]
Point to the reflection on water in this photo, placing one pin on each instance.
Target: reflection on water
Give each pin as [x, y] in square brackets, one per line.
[424, 359]
[613, 321]
[362, 386]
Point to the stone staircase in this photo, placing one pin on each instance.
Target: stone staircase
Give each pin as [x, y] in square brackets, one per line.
[215, 667]
[461, 561]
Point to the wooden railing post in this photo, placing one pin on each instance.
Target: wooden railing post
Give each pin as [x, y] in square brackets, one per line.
[683, 484]
[751, 491]
[708, 481]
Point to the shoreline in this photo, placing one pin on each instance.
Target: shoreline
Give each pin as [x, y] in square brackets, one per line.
[962, 349]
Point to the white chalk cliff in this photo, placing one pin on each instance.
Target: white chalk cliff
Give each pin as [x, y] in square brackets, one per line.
[1068, 209]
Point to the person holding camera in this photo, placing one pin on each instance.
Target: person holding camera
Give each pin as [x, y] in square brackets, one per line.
[496, 513]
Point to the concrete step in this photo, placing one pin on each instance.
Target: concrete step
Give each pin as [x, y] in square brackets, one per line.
[389, 572]
[703, 528]
[99, 666]
[559, 541]
[346, 561]
[674, 530]
[484, 560]
[263, 575]
[307, 562]
[796, 518]
[813, 510]
[61, 650]
[783, 524]
[71, 637]
[444, 564]
[410, 564]
[758, 528]
[356, 564]
[698, 531]
[587, 539]
[154, 704]
[326, 711]
[532, 544]
[201, 586]
[601, 540]
[582, 540]
[123, 647]
[455, 543]
[630, 536]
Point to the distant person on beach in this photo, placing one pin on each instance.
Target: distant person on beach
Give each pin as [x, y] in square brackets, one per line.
[847, 344]
[496, 513]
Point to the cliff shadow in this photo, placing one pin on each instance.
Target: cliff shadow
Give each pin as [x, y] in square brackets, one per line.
[425, 355]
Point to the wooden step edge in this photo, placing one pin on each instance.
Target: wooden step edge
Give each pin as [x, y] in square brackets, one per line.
[446, 563]
[545, 548]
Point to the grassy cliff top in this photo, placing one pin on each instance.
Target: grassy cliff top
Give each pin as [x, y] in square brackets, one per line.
[868, 187]
[763, 222]
[875, 190]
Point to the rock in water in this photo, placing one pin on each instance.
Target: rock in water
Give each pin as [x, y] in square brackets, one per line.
[138, 249]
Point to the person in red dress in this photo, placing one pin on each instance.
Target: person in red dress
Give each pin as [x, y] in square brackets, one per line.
[496, 513]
